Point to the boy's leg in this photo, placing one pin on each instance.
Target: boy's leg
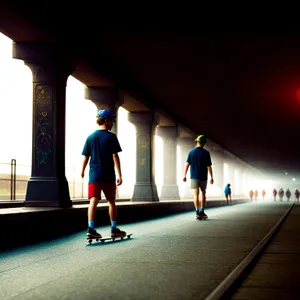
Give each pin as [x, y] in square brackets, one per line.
[195, 188]
[203, 186]
[109, 191]
[203, 199]
[94, 191]
[94, 196]
[196, 199]
[92, 209]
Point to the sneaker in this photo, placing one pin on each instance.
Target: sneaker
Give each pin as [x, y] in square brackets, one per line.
[116, 232]
[92, 234]
[201, 215]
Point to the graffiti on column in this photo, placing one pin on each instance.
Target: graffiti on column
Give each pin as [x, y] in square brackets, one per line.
[43, 105]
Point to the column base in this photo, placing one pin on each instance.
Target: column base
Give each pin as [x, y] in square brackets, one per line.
[145, 192]
[47, 192]
[170, 192]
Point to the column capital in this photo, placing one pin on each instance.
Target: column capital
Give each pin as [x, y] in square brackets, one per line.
[45, 61]
[107, 97]
[186, 141]
[143, 117]
[43, 52]
[167, 131]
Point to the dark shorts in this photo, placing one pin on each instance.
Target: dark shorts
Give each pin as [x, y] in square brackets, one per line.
[109, 190]
[195, 184]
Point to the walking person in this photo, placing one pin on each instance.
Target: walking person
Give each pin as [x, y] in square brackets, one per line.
[227, 192]
[251, 195]
[200, 162]
[288, 194]
[263, 193]
[297, 194]
[101, 151]
[255, 195]
[281, 194]
[274, 194]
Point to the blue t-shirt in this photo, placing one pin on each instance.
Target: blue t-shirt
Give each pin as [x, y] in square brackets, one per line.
[100, 147]
[227, 190]
[199, 160]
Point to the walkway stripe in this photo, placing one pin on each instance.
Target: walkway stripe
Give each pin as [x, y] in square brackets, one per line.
[240, 272]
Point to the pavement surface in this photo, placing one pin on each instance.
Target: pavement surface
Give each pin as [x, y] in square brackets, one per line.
[173, 257]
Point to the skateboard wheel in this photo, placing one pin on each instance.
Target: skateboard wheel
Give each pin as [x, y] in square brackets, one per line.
[121, 238]
[102, 241]
[97, 240]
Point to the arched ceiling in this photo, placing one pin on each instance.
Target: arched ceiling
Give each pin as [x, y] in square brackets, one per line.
[240, 88]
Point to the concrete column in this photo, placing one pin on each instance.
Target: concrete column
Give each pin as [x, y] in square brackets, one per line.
[186, 144]
[218, 173]
[169, 189]
[105, 98]
[145, 188]
[47, 185]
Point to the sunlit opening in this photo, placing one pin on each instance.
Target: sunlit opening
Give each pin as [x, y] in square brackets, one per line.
[158, 152]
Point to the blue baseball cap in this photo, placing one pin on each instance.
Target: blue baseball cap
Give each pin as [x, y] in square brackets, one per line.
[106, 114]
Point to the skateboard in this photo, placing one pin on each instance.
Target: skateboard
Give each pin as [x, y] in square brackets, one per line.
[201, 218]
[107, 238]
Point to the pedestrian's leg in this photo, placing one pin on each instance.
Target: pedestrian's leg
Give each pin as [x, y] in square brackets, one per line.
[196, 199]
[203, 200]
[109, 191]
[115, 231]
[92, 211]
[112, 210]
[91, 231]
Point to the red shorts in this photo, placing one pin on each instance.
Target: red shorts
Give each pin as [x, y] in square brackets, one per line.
[109, 190]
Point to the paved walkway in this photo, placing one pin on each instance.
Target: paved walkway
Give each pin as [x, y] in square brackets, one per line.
[277, 274]
[172, 257]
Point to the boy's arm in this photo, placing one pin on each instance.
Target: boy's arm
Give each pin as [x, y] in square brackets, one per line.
[84, 164]
[210, 171]
[118, 168]
[187, 165]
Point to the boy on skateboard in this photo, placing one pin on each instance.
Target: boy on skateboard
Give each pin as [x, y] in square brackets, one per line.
[101, 150]
[200, 162]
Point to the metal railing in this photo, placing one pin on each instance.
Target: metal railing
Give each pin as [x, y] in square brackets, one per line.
[13, 183]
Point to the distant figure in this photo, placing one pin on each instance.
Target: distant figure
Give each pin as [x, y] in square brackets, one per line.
[263, 193]
[255, 195]
[274, 194]
[297, 194]
[280, 194]
[288, 194]
[251, 195]
[227, 192]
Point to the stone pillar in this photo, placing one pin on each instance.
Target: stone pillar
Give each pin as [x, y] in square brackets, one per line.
[145, 188]
[169, 189]
[47, 185]
[186, 144]
[105, 98]
[218, 173]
